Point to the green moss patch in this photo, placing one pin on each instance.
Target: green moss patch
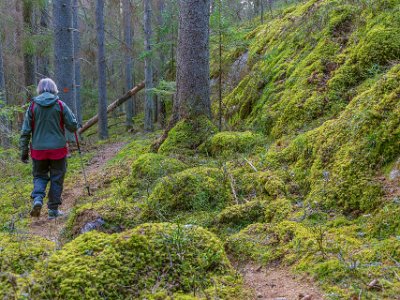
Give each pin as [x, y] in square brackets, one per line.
[229, 143]
[149, 167]
[187, 136]
[195, 189]
[151, 261]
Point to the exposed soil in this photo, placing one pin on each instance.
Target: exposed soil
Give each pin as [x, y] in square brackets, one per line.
[51, 229]
[278, 283]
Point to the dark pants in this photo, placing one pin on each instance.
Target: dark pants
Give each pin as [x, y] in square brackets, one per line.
[45, 171]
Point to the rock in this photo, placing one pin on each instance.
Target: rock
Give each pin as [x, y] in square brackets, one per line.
[259, 295]
[96, 224]
[394, 174]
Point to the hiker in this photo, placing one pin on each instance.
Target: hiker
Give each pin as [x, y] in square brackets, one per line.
[45, 120]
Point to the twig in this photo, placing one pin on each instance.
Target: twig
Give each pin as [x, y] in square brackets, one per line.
[232, 183]
[251, 165]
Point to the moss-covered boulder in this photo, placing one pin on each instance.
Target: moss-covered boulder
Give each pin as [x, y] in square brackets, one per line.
[153, 261]
[278, 210]
[192, 190]
[241, 215]
[149, 167]
[187, 136]
[229, 143]
[109, 215]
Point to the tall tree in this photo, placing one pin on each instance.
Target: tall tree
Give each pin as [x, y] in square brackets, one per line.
[161, 40]
[129, 80]
[64, 67]
[43, 60]
[4, 140]
[148, 73]
[102, 83]
[193, 70]
[77, 49]
[29, 58]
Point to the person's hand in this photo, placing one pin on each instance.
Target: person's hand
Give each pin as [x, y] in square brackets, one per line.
[25, 158]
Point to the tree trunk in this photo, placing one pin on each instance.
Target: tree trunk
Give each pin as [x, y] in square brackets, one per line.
[161, 102]
[148, 74]
[192, 97]
[29, 58]
[77, 50]
[102, 111]
[129, 82]
[43, 60]
[262, 11]
[113, 106]
[64, 67]
[4, 128]
[193, 70]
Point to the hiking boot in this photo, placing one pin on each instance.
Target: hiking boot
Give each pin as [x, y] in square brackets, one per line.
[36, 208]
[55, 213]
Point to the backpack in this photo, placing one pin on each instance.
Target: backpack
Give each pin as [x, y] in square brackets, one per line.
[32, 109]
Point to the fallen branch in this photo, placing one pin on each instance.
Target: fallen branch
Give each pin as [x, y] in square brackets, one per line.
[113, 106]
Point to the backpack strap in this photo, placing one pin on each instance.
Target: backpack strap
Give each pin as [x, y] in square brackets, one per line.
[32, 109]
[61, 116]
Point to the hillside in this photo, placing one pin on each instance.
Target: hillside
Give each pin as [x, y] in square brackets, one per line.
[306, 181]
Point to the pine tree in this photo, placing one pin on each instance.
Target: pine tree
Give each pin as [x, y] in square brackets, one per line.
[101, 58]
[193, 70]
[64, 67]
[149, 102]
[129, 80]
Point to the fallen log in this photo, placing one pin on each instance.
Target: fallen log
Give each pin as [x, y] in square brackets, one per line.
[112, 106]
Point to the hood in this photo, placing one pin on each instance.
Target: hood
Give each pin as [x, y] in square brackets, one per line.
[46, 99]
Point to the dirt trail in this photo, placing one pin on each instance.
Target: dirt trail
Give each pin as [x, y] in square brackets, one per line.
[278, 283]
[51, 229]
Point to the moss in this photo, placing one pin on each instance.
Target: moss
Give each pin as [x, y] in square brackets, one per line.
[241, 215]
[255, 242]
[195, 189]
[187, 135]
[149, 167]
[109, 215]
[19, 253]
[229, 143]
[386, 222]
[278, 210]
[152, 260]
[381, 45]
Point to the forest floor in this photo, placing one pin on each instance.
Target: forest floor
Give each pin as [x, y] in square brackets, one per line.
[267, 283]
[51, 230]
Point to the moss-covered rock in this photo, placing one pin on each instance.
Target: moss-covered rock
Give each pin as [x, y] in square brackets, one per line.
[241, 215]
[229, 143]
[146, 169]
[151, 261]
[195, 189]
[109, 215]
[278, 210]
[187, 136]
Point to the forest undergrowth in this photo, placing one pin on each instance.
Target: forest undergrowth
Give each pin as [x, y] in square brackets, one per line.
[303, 178]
